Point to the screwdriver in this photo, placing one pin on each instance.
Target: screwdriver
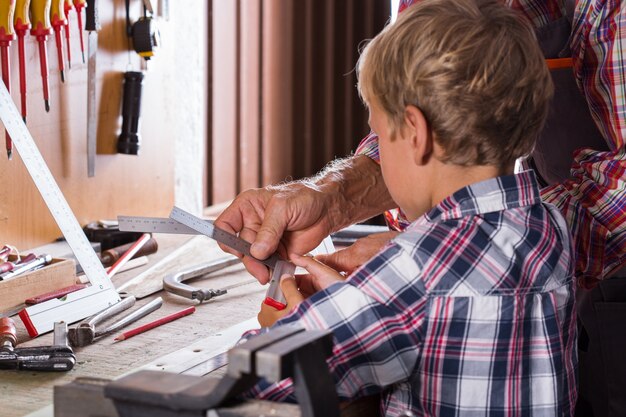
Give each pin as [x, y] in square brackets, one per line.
[79, 5]
[40, 13]
[68, 6]
[21, 23]
[57, 17]
[7, 8]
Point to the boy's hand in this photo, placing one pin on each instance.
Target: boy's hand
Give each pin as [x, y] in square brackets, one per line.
[297, 288]
[348, 259]
[319, 277]
[269, 315]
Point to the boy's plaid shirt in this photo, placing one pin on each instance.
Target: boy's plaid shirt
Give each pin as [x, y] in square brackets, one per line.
[593, 200]
[469, 312]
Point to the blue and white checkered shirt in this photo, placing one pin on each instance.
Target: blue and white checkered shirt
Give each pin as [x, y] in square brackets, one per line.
[469, 312]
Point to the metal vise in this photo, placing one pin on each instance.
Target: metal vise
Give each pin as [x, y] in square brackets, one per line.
[286, 352]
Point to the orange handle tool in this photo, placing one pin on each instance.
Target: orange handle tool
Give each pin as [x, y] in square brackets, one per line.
[40, 14]
[21, 24]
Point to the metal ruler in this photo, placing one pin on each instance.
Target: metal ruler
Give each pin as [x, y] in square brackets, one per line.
[76, 306]
[153, 225]
[182, 222]
[92, 25]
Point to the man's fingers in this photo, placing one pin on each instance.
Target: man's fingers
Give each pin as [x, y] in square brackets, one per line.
[268, 236]
[257, 269]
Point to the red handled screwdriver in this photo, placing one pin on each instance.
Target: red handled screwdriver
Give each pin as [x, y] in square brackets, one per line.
[68, 6]
[21, 23]
[7, 8]
[79, 5]
[40, 13]
[58, 20]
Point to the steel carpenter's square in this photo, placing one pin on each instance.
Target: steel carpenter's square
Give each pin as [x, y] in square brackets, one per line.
[76, 306]
[274, 296]
[182, 222]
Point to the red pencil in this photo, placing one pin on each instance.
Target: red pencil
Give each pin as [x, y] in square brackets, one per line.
[156, 323]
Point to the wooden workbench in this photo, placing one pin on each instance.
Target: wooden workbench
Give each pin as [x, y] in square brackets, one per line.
[25, 392]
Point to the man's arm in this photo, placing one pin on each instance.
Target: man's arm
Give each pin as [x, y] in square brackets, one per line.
[593, 200]
[295, 217]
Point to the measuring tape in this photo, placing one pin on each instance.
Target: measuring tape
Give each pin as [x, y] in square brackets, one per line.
[76, 306]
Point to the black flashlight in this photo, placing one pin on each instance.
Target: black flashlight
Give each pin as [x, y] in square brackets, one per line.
[128, 141]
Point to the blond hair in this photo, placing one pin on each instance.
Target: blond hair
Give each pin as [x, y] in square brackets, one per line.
[472, 67]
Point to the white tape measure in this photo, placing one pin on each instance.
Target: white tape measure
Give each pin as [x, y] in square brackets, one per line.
[78, 305]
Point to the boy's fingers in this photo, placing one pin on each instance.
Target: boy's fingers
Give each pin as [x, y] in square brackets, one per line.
[311, 264]
[324, 275]
[337, 260]
[290, 290]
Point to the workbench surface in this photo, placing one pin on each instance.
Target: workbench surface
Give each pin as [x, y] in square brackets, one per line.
[24, 392]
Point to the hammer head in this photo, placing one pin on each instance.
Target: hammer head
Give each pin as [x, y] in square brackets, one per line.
[81, 335]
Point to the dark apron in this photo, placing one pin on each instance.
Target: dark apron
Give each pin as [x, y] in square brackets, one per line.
[601, 311]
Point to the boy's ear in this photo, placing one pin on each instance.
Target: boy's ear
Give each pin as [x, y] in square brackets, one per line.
[419, 134]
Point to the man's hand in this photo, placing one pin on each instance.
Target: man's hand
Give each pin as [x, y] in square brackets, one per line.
[348, 259]
[294, 218]
[291, 218]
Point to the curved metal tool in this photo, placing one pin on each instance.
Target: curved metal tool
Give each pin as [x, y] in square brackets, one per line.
[173, 283]
[87, 331]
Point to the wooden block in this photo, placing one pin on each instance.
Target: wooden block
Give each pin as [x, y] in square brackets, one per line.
[60, 273]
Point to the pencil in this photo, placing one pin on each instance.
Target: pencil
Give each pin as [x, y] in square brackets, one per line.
[156, 323]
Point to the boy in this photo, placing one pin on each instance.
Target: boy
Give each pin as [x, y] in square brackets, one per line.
[470, 311]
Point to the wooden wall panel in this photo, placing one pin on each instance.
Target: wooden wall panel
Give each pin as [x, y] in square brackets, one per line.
[250, 95]
[123, 184]
[277, 79]
[298, 107]
[225, 136]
